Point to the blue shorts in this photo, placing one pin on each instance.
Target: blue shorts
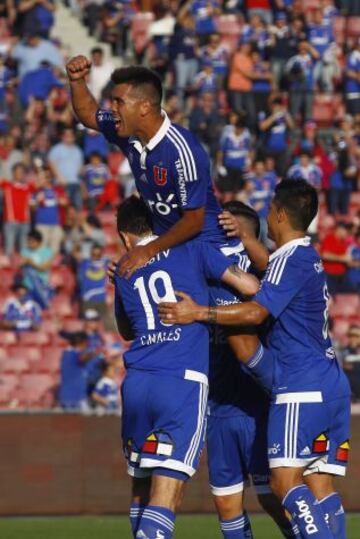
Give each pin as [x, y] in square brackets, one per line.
[164, 421]
[236, 448]
[305, 431]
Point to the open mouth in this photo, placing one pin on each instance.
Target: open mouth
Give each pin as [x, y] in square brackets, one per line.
[118, 123]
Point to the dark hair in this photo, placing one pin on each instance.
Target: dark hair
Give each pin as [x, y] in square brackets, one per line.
[78, 337]
[300, 201]
[133, 216]
[35, 235]
[97, 50]
[93, 220]
[235, 207]
[140, 78]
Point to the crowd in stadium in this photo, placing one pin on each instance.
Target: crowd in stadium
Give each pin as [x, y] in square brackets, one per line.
[271, 89]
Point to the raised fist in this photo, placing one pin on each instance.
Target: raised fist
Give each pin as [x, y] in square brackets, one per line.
[78, 67]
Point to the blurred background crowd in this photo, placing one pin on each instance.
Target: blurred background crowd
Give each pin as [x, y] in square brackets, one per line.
[272, 90]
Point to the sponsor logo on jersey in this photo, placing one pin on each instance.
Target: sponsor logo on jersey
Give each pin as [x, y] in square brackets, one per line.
[318, 266]
[141, 535]
[159, 534]
[160, 175]
[320, 444]
[305, 451]
[158, 443]
[163, 206]
[342, 452]
[305, 513]
[274, 450]
[181, 182]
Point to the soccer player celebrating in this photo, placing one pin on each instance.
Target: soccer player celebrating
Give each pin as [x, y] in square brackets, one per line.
[165, 389]
[309, 417]
[171, 168]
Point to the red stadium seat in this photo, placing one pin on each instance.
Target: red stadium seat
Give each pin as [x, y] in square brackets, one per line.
[61, 306]
[340, 330]
[5, 262]
[34, 388]
[62, 277]
[15, 366]
[49, 364]
[27, 352]
[37, 338]
[8, 384]
[345, 305]
[353, 27]
[8, 338]
[228, 25]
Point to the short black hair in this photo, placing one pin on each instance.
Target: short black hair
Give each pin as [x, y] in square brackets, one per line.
[133, 216]
[235, 207]
[36, 235]
[97, 50]
[299, 199]
[140, 78]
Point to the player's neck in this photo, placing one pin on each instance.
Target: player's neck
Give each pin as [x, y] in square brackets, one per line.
[149, 129]
[288, 235]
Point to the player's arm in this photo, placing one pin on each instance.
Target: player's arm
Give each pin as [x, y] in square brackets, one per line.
[256, 251]
[83, 102]
[187, 227]
[244, 283]
[122, 321]
[187, 311]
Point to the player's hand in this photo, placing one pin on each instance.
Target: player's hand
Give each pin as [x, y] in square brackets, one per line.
[135, 259]
[78, 67]
[233, 227]
[182, 312]
[111, 271]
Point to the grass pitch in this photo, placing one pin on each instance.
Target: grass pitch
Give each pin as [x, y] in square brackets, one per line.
[187, 527]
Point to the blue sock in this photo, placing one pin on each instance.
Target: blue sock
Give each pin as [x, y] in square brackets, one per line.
[236, 528]
[291, 531]
[306, 513]
[156, 523]
[260, 367]
[136, 511]
[334, 515]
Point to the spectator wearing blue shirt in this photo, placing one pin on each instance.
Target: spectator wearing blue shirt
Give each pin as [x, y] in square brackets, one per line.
[218, 55]
[94, 142]
[95, 175]
[340, 183]
[353, 273]
[261, 185]
[32, 51]
[352, 80]
[206, 122]
[300, 73]
[321, 37]
[66, 160]
[37, 83]
[182, 51]
[307, 170]
[261, 87]
[106, 395]
[34, 16]
[21, 313]
[204, 13]
[73, 375]
[258, 35]
[92, 280]
[206, 81]
[234, 158]
[275, 129]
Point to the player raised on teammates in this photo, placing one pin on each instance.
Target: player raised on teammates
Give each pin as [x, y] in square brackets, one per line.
[309, 419]
[166, 386]
[171, 168]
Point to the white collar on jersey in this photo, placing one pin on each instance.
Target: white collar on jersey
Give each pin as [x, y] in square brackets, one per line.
[146, 240]
[305, 242]
[154, 141]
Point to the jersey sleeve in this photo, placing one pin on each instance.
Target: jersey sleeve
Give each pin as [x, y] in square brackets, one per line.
[192, 174]
[106, 125]
[284, 278]
[213, 262]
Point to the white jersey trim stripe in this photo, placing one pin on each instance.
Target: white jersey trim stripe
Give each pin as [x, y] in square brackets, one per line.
[200, 426]
[225, 491]
[182, 159]
[187, 149]
[170, 464]
[301, 396]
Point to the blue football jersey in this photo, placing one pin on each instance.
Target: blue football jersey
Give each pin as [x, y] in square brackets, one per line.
[231, 390]
[295, 293]
[172, 174]
[166, 348]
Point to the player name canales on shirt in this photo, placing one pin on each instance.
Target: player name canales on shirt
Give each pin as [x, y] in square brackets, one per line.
[166, 348]
[172, 174]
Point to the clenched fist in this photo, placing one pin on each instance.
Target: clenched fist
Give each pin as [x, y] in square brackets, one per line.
[78, 67]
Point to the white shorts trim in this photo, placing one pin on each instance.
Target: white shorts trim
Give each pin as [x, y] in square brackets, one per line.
[196, 376]
[137, 473]
[324, 467]
[301, 397]
[290, 463]
[227, 491]
[171, 464]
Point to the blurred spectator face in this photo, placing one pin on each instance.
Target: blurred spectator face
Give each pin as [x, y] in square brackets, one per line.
[246, 48]
[280, 20]
[208, 101]
[354, 337]
[45, 178]
[97, 57]
[95, 159]
[269, 163]
[39, 106]
[32, 40]
[239, 126]
[233, 117]
[33, 243]
[259, 168]
[19, 173]
[310, 130]
[341, 231]
[256, 57]
[68, 137]
[21, 293]
[96, 253]
[302, 47]
[255, 21]
[318, 17]
[215, 40]
[92, 326]
[172, 103]
[188, 22]
[305, 160]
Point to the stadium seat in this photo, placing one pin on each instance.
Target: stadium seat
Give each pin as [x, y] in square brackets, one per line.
[33, 389]
[345, 305]
[353, 27]
[8, 338]
[8, 384]
[61, 306]
[37, 338]
[62, 277]
[228, 25]
[7, 279]
[5, 262]
[340, 330]
[16, 366]
[27, 352]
